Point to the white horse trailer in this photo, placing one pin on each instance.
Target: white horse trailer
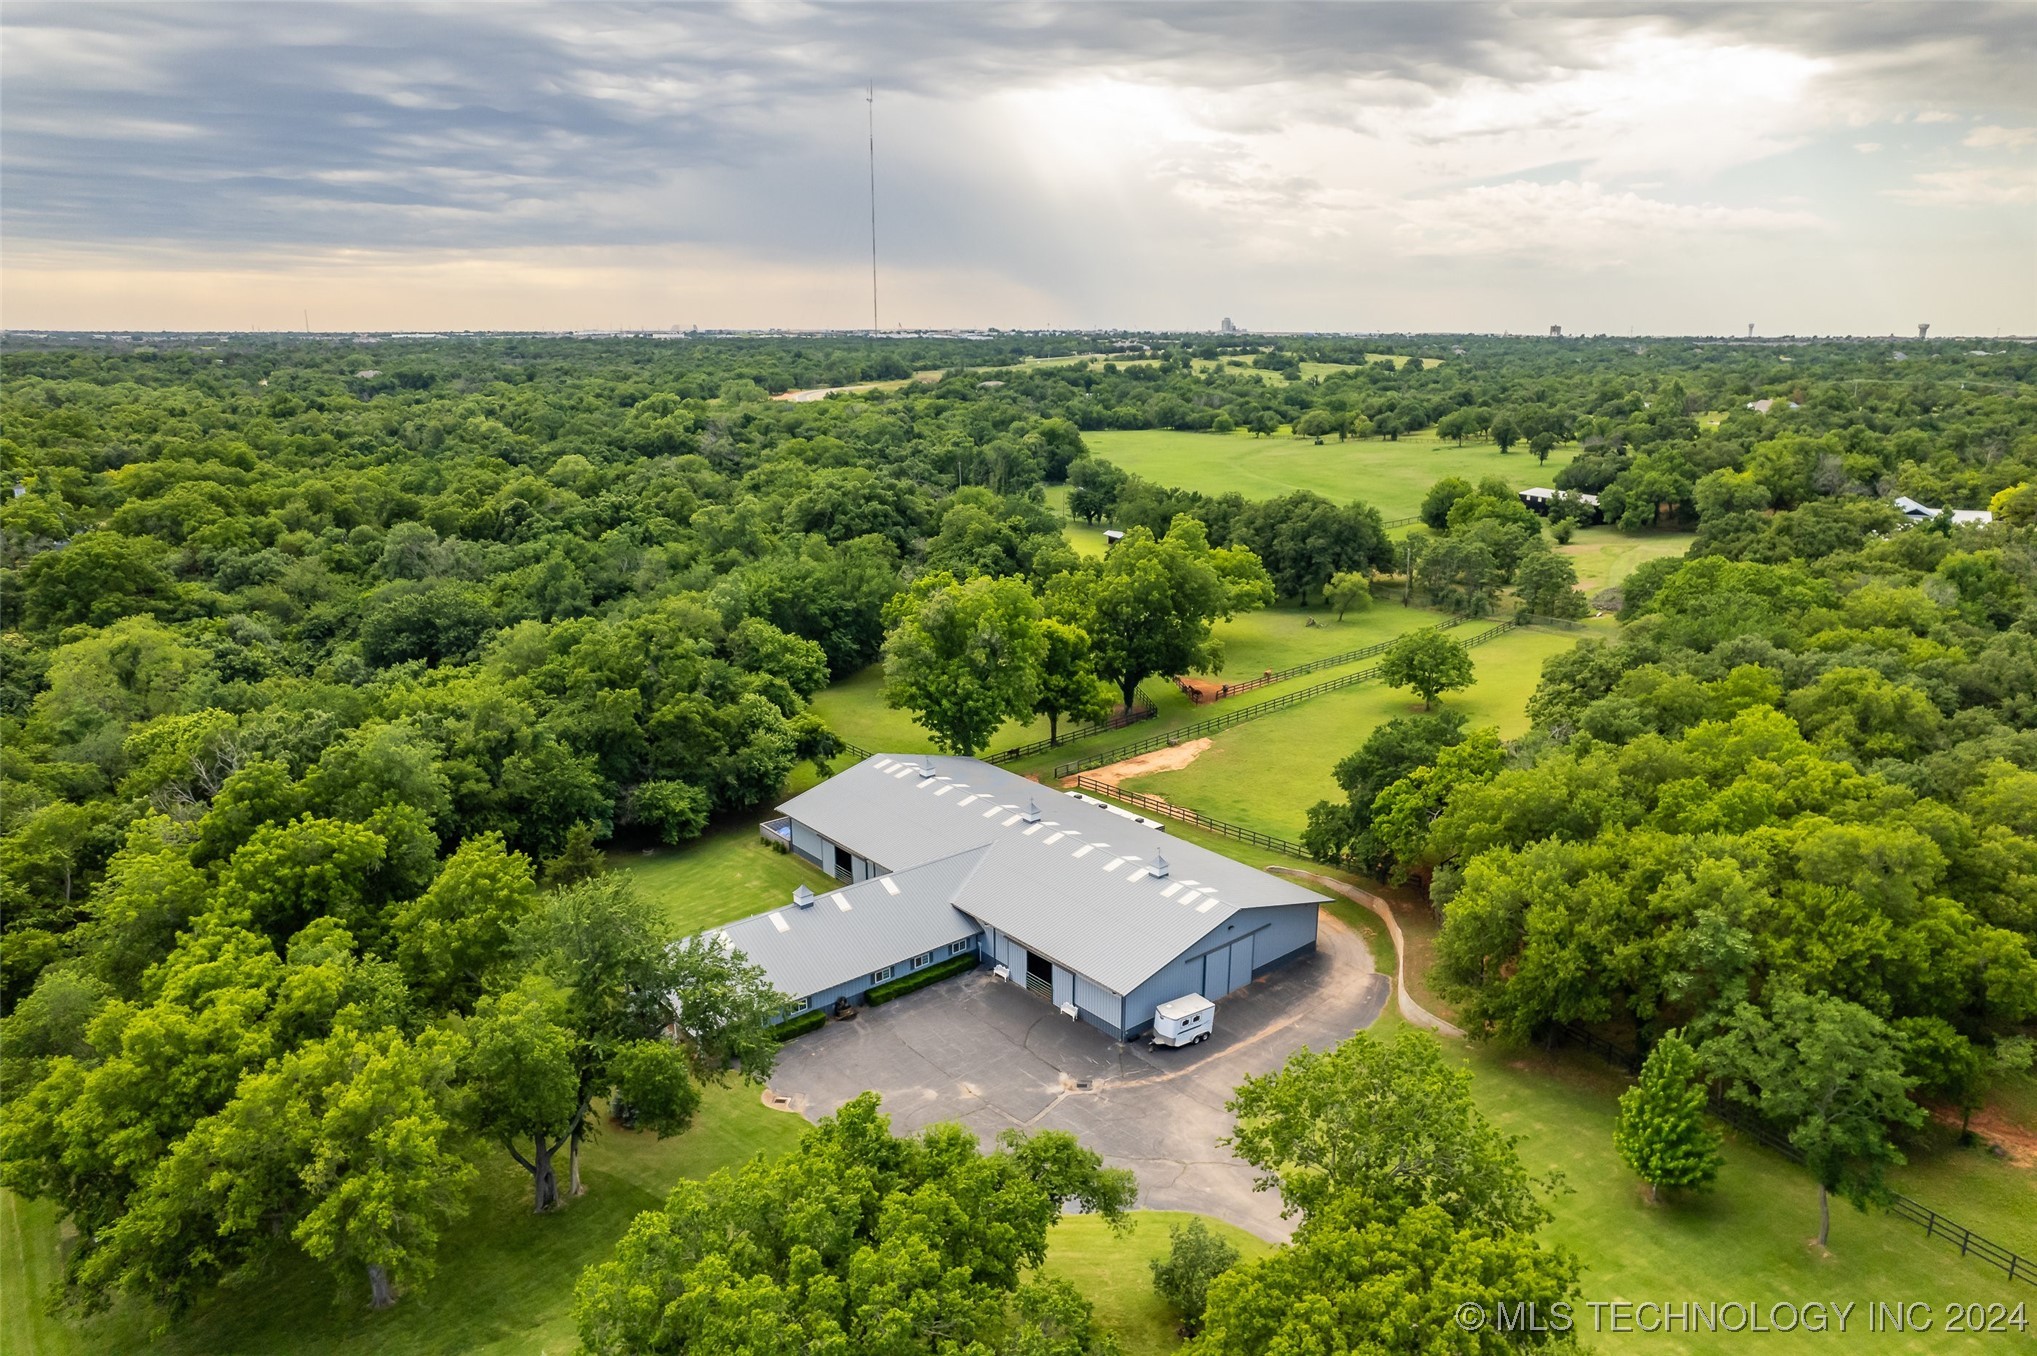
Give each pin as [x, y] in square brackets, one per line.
[1184, 1021]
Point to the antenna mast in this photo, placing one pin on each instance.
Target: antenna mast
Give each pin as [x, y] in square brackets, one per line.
[871, 99]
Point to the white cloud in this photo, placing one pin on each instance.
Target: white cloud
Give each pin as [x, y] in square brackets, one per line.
[1989, 186]
[1580, 223]
[1937, 115]
[2007, 138]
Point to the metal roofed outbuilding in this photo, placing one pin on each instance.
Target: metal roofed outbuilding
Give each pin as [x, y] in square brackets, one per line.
[1071, 901]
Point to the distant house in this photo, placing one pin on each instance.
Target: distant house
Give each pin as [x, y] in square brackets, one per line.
[1923, 513]
[1111, 537]
[1762, 406]
[1541, 499]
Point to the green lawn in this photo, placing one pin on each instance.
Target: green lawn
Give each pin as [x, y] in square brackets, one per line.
[505, 1282]
[1113, 1271]
[1605, 556]
[727, 873]
[1747, 1240]
[1391, 476]
[1266, 773]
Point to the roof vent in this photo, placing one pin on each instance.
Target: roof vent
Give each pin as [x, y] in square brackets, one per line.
[803, 897]
[1032, 811]
[926, 767]
[1158, 868]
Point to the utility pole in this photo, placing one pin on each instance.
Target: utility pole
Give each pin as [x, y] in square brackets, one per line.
[871, 99]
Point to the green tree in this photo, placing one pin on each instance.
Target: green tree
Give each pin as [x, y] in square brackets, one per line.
[965, 657]
[1505, 432]
[1375, 1276]
[1428, 662]
[1196, 1255]
[459, 936]
[1392, 1121]
[1830, 1073]
[675, 809]
[1149, 606]
[1346, 591]
[858, 1241]
[1547, 584]
[1441, 498]
[1662, 1132]
[1068, 682]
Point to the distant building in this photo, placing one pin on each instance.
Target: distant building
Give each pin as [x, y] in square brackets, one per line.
[1555, 331]
[1924, 513]
[1227, 327]
[1112, 536]
[1542, 499]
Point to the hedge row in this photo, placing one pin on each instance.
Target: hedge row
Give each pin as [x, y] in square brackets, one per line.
[919, 979]
[800, 1025]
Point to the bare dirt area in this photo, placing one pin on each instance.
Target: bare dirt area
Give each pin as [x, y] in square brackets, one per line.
[2017, 1142]
[1171, 759]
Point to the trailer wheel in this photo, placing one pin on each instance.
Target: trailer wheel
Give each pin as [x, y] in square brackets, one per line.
[1203, 1037]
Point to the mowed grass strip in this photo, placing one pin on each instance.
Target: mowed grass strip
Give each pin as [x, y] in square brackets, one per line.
[1604, 556]
[505, 1278]
[1265, 774]
[1392, 476]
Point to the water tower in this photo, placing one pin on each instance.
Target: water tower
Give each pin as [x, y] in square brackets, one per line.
[1922, 330]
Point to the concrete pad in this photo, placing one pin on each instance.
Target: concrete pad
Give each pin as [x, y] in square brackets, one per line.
[987, 1054]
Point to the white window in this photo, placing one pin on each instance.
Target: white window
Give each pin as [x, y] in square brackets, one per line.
[957, 948]
[798, 1005]
[926, 958]
[879, 976]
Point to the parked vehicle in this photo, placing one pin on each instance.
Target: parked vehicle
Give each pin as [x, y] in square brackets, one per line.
[1184, 1021]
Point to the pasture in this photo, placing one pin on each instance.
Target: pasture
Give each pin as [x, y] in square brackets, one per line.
[1265, 774]
[1390, 476]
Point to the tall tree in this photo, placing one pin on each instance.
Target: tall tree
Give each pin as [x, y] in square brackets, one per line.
[964, 657]
[1662, 1132]
[1068, 682]
[1428, 662]
[1149, 605]
[1830, 1073]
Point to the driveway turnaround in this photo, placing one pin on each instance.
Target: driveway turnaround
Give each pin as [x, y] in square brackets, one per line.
[986, 1053]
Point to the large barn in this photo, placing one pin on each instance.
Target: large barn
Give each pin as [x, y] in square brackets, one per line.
[1097, 911]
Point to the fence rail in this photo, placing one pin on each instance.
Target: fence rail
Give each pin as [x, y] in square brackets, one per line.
[1214, 724]
[1402, 522]
[1142, 710]
[1743, 1119]
[1317, 665]
[1155, 805]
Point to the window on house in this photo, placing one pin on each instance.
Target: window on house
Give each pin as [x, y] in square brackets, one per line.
[957, 948]
[879, 976]
[924, 959]
[798, 1005]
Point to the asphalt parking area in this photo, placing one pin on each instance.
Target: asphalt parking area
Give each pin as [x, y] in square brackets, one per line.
[986, 1053]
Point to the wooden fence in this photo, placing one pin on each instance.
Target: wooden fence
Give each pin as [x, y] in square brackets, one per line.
[1743, 1119]
[1139, 800]
[1225, 721]
[1272, 676]
[1141, 710]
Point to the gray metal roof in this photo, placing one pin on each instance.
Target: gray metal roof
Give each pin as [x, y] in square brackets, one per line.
[859, 929]
[1075, 886]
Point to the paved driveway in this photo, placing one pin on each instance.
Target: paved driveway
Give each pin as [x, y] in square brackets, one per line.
[988, 1054]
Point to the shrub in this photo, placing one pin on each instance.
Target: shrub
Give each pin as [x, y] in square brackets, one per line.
[919, 979]
[1195, 1257]
[800, 1025]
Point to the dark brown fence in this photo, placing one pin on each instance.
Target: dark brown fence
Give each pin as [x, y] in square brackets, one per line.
[1142, 710]
[1244, 713]
[1743, 1119]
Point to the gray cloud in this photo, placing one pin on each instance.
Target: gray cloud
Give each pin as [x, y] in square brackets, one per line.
[247, 128]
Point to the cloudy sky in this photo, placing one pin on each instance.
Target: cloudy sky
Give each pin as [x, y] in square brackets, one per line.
[1851, 168]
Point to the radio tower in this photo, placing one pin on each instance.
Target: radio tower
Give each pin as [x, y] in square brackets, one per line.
[871, 99]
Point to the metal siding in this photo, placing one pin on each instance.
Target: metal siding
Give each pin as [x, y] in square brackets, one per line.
[1278, 934]
[1064, 986]
[1094, 999]
[1119, 931]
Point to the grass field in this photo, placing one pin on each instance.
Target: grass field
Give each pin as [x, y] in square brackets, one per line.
[1605, 556]
[729, 872]
[1113, 1271]
[1265, 774]
[1390, 476]
[1748, 1240]
[505, 1282]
